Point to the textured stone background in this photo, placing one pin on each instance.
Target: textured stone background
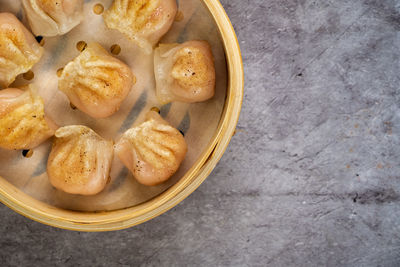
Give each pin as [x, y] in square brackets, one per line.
[312, 176]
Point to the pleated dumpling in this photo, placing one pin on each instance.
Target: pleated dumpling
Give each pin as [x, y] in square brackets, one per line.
[23, 122]
[19, 50]
[184, 72]
[53, 17]
[152, 151]
[96, 82]
[142, 21]
[80, 161]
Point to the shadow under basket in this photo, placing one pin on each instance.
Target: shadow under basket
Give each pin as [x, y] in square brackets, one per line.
[117, 219]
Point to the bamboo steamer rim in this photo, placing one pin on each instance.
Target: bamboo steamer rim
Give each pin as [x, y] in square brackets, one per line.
[124, 218]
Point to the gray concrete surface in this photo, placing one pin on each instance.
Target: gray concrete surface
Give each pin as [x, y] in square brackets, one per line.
[310, 179]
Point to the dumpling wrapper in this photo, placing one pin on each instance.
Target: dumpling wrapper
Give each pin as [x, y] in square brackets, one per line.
[19, 50]
[184, 72]
[23, 122]
[53, 17]
[152, 151]
[80, 161]
[96, 82]
[143, 21]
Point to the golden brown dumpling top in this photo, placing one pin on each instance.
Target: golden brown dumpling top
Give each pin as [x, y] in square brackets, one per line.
[19, 50]
[23, 123]
[96, 82]
[184, 72]
[53, 17]
[142, 21]
[153, 151]
[80, 161]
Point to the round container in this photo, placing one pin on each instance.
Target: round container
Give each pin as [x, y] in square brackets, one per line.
[124, 218]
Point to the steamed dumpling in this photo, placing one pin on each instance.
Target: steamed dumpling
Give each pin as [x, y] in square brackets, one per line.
[80, 161]
[19, 50]
[184, 72]
[152, 151]
[96, 82]
[53, 17]
[23, 122]
[142, 21]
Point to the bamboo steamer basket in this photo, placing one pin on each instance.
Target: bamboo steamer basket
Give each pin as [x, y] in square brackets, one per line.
[124, 218]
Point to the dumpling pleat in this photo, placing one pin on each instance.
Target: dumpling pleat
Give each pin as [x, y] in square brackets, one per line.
[92, 84]
[149, 154]
[80, 161]
[42, 13]
[65, 151]
[5, 62]
[102, 64]
[19, 50]
[156, 148]
[22, 120]
[51, 18]
[96, 86]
